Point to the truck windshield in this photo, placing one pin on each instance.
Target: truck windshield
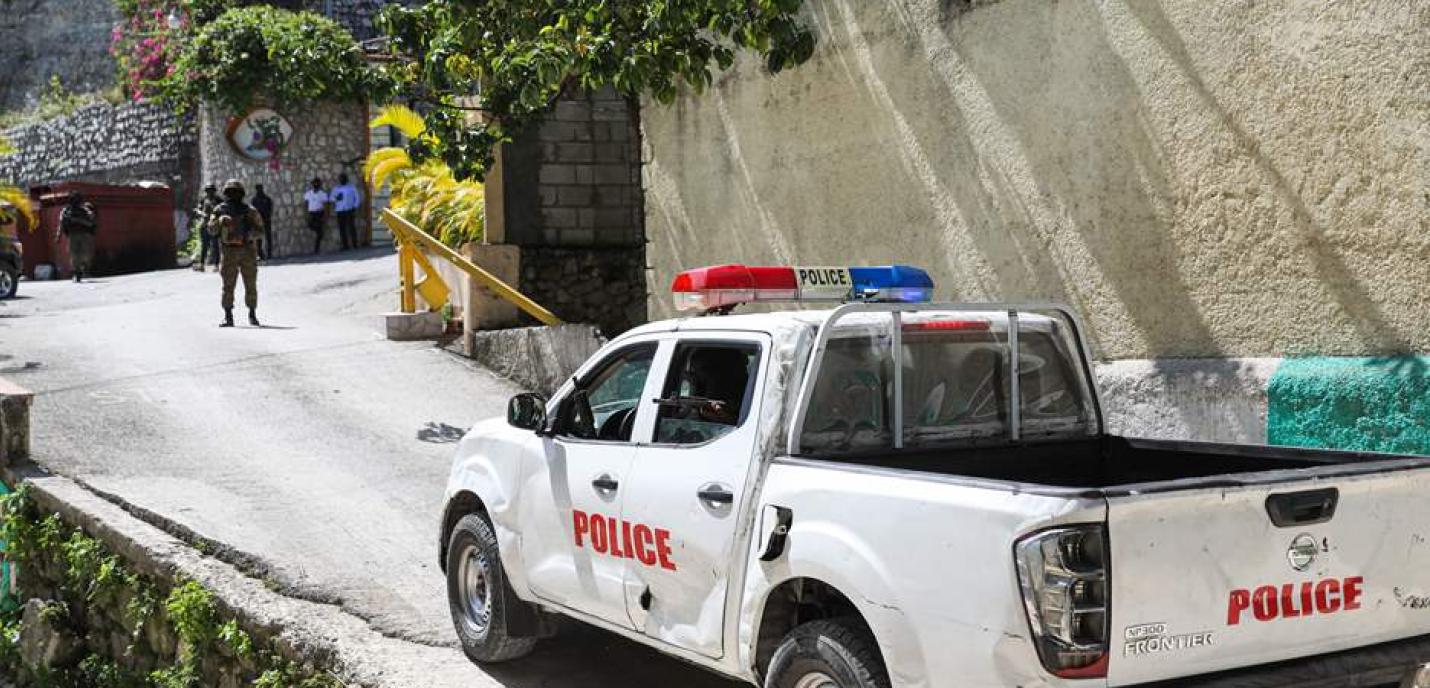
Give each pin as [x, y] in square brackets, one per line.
[955, 384]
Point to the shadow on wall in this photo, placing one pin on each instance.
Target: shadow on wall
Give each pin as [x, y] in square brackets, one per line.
[1067, 151]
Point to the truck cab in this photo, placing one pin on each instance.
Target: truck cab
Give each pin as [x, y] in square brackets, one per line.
[898, 493]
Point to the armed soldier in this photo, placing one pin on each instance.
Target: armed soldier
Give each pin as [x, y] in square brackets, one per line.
[78, 222]
[240, 231]
[208, 240]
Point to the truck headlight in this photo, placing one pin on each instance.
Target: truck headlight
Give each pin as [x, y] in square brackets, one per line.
[1063, 574]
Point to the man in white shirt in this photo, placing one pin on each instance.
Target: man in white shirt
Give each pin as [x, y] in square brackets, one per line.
[346, 202]
[317, 200]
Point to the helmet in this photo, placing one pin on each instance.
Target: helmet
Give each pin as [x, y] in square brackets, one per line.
[233, 187]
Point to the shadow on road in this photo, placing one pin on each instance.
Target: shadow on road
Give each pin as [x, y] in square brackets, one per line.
[440, 433]
[586, 657]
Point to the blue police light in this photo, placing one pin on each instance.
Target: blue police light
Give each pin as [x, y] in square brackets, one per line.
[892, 283]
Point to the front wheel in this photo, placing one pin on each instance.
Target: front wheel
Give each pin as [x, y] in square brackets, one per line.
[830, 653]
[9, 283]
[477, 594]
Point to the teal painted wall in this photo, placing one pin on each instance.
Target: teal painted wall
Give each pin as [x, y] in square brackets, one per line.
[1373, 404]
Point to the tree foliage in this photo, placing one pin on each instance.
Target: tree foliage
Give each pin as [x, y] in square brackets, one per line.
[285, 58]
[509, 59]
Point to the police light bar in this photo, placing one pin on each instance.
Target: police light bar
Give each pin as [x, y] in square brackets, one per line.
[722, 287]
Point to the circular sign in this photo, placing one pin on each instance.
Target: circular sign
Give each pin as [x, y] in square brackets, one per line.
[259, 135]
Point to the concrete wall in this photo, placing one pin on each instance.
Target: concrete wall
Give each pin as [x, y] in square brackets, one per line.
[1200, 178]
[328, 139]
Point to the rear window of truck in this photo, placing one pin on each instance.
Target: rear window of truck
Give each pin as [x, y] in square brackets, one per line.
[956, 386]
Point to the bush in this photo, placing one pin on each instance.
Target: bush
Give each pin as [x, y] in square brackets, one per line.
[263, 53]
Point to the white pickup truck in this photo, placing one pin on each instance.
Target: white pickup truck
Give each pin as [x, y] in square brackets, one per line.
[904, 494]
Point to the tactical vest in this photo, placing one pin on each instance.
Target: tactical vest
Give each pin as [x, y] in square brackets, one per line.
[242, 229]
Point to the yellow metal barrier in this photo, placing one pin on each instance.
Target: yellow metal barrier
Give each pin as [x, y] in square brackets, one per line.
[411, 236]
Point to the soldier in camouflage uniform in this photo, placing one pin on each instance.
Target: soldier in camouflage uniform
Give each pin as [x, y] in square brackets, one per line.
[240, 231]
[78, 222]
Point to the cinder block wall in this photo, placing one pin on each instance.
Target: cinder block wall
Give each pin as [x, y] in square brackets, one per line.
[573, 203]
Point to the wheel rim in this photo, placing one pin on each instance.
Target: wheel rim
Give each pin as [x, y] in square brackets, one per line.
[817, 679]
[7, 282]
[475, 586]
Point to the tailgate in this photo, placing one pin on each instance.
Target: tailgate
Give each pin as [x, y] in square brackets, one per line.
[1215, 578]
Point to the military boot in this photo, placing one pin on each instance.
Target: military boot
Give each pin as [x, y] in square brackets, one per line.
[253, 317]
[227, 318]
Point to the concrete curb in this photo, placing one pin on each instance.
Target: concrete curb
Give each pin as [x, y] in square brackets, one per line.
[313, 632]
[536, 358]
[319, 633]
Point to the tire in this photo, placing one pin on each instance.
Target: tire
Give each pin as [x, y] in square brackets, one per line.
[9, 283]
[830, 653]
[476, 583]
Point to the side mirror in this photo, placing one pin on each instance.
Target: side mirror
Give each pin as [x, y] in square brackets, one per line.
[527, 411]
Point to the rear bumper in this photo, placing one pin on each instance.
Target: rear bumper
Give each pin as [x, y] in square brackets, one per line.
[1386, 664]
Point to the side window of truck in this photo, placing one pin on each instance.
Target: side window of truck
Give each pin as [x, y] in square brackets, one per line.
[707, 393]
[604, 406]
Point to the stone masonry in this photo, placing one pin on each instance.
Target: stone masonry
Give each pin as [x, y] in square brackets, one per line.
[328, 139]
[103, 143]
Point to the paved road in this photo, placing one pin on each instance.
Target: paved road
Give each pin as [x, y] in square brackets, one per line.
[311, 443]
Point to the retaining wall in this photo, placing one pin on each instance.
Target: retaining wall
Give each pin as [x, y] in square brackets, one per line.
[1199, 178]
[103, 143]
[328, 139]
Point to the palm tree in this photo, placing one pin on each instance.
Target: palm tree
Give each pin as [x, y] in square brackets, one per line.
[426, 194]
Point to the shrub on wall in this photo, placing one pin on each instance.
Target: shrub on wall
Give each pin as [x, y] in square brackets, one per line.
[263, 53]
[223, 52]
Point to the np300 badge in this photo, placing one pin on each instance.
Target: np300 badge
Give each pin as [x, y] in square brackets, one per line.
[1302, 552]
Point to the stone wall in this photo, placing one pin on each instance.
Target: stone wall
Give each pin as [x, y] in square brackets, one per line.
[106, 144]
[601, 286]
[328, 139]
[44, 38]
[1199, 178]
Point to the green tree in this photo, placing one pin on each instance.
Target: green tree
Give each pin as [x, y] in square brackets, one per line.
[287, 58]
[486, 70]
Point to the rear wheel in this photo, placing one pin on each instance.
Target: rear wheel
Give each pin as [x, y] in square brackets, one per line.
[477, 593]
[829, 653]
[9, 283]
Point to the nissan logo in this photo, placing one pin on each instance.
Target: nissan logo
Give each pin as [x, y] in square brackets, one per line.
[1302, 552]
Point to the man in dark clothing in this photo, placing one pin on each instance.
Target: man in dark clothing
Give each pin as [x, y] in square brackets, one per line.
[264, 205]
[78, 222]
[240, 229]
[208, 237]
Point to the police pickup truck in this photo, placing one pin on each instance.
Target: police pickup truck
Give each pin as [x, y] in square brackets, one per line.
[898, 493]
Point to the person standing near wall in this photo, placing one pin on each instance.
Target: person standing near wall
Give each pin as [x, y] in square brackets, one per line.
[345, 204]
[317, 201]
[240, 228]
[79, 222]
[207, 241]
[264, 205]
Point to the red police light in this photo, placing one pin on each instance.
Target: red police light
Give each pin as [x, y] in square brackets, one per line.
[727, 285]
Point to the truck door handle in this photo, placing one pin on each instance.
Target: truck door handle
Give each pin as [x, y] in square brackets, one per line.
[605, 483]
[715, 495]
[1302, 508]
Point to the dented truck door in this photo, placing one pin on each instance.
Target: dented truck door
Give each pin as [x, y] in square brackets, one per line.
[688, 487]
[1266, 567]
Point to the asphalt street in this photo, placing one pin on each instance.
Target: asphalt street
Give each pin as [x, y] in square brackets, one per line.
[311, 444]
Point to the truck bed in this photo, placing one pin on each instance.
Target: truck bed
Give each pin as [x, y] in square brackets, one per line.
[1111, 461]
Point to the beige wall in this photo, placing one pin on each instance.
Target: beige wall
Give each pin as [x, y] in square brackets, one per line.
[1198, 177]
